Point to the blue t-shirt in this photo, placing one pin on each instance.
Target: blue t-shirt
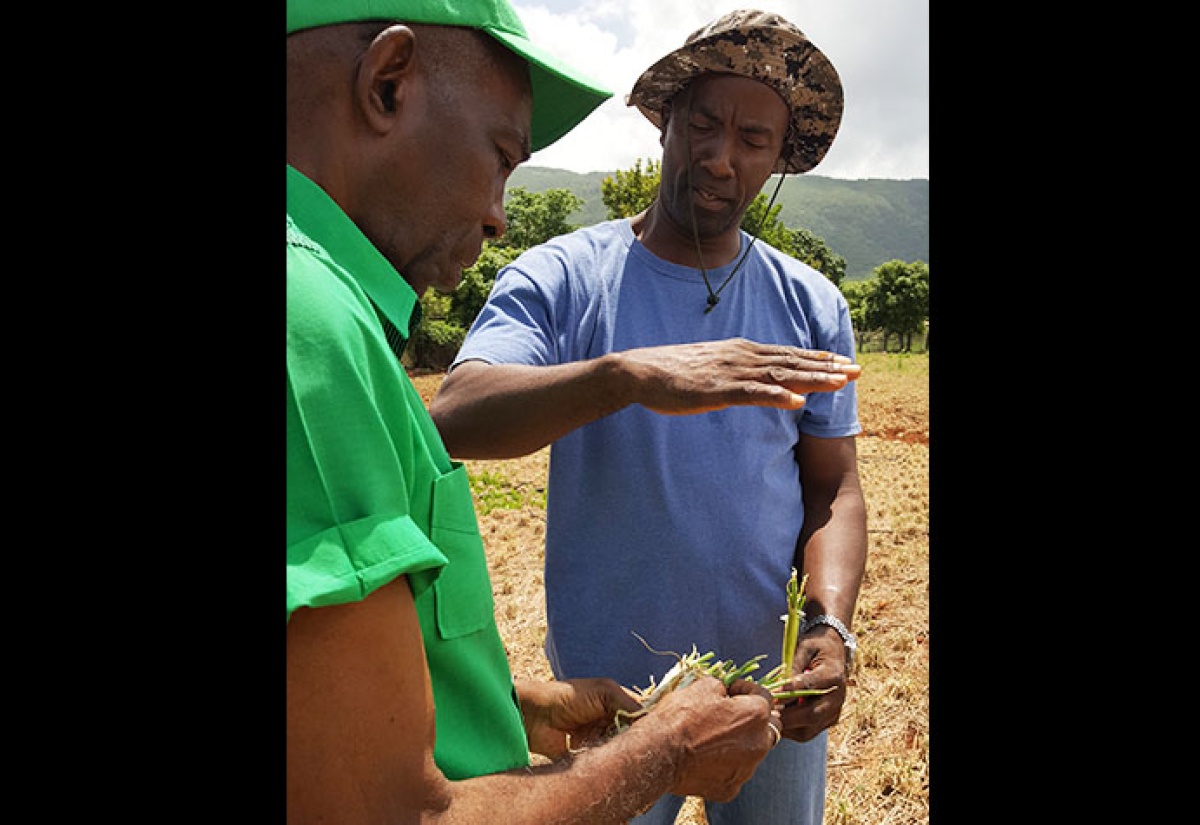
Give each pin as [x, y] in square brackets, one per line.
[682, 529]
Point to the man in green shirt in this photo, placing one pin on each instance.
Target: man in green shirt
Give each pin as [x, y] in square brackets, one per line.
[404, 119]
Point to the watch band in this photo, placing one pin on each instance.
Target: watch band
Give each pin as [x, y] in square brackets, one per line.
[848, 638]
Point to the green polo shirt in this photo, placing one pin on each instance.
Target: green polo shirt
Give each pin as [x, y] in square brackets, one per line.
[372, 493]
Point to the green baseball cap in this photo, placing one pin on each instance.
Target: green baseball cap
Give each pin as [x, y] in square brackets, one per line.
[562, 96]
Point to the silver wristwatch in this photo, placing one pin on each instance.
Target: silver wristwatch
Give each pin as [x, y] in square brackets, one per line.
[848, 638]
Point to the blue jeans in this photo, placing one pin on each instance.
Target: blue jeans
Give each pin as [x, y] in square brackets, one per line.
[788, 788]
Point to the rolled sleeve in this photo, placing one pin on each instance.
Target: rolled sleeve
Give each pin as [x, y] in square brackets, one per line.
[354, 468]
[347, 562]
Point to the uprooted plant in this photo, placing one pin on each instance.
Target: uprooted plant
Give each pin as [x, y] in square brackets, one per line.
[689, 667]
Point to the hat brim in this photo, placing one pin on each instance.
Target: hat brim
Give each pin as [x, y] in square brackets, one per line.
[562, 96]
[790, 64]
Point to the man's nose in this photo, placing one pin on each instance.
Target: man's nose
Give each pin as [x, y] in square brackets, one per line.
[717, 160]
[495, 223]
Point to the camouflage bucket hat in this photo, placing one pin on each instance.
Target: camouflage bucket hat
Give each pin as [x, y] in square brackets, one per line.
[767, 48]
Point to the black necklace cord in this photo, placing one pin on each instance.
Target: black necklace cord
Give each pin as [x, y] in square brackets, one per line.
[691, 196]
[714, 296]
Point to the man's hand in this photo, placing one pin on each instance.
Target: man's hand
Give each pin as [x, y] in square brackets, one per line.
[683, 379]
[723, 734]
[820, 663]
[507, 410]
[580, 708]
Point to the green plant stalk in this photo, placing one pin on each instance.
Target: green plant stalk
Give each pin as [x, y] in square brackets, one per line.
[791, 626]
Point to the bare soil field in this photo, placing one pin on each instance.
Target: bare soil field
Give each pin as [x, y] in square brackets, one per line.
[879, 750]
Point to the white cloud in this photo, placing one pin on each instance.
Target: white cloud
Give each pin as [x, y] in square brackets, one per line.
[879, 47]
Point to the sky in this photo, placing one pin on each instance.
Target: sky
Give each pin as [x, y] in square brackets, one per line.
[880, 49]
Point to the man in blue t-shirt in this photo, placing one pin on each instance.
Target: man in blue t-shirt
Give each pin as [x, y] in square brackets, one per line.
[697, 387]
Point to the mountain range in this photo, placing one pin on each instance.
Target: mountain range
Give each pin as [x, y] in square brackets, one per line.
[867, 222]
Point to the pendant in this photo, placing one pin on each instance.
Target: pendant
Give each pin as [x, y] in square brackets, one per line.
[712, 302]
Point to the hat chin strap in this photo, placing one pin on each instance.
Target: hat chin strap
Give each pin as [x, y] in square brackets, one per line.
[714, 296]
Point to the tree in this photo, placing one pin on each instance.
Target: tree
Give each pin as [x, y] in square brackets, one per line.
[855, 293]
[629, 192]
[801, 244]
[536, 217]
[896, 300]
[434, 344]
[757, 221]
[813, 250]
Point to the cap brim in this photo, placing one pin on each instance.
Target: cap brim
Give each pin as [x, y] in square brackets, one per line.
[562, 96]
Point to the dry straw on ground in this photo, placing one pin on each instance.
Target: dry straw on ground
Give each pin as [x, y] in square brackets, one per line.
[879, 751]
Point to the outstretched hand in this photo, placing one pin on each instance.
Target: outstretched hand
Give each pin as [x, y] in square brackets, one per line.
[681, 379]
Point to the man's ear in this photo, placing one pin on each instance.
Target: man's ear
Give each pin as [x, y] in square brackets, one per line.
[384, 73]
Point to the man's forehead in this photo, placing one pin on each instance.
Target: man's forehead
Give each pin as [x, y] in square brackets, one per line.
[715, 93]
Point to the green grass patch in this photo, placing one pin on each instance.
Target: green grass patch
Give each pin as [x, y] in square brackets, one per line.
[493, 491]
[913, 363]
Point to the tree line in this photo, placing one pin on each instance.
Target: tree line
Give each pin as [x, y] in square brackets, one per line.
[893, 302]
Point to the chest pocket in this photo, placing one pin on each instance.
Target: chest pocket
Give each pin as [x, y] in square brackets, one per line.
[463, 592]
